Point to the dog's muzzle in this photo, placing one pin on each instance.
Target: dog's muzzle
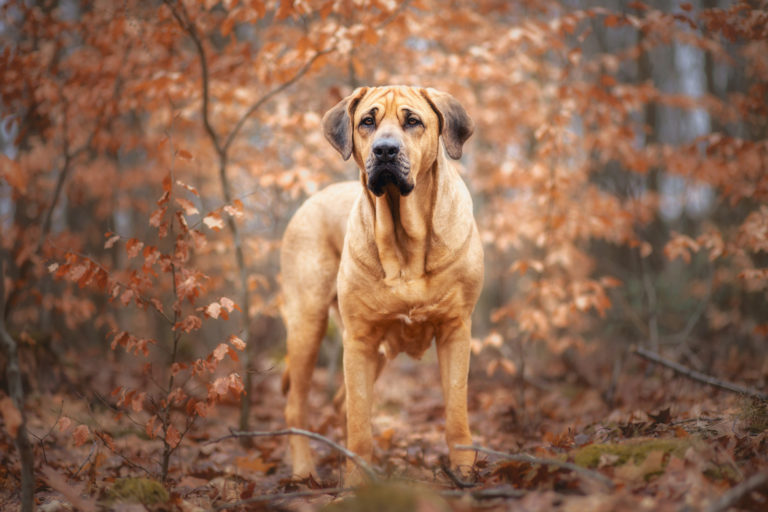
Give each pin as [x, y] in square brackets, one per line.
[387, 164]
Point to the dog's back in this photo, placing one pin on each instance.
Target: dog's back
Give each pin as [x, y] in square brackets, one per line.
[312, 244]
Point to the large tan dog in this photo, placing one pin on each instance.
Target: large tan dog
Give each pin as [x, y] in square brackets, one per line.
[398, 252]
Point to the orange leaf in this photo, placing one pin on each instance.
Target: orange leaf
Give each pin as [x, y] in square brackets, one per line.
[11, 416]
[213, 310]
[81, 435]
[236, 209]
[157, 216]
[227, 304]
[132, 247]
[63, 424]
[237, 342]
[172, 436]
[150, 427]
[189, 207]
[201, 408]
[109, 243]
[188, 187]
[220, 351]
[254, 464]
[213, 221]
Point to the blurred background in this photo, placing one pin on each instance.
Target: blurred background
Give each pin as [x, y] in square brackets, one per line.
[153, 152]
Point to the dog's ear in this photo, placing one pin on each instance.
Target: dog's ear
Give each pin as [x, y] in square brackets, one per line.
[455, 124]
[337, 122]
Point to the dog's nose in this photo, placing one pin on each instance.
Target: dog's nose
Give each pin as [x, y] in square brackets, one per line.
[386, 150]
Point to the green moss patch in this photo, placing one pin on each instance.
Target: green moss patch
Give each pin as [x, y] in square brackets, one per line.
[635, 451]
[137, 490]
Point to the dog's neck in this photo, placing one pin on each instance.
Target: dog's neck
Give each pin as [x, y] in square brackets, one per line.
[423, 231]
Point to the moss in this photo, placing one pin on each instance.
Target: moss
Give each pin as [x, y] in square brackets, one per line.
[631, 451]
[722, 472]
[390, 497]
[137, 490]
[754, 414]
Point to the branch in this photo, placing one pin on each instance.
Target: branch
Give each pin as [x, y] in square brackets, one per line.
[358, 460]
[733, 496]
[524, 457]
[282, 496]
[273, 92]
[504, 491]
[182, 17]
[698, 376]
[92, 261]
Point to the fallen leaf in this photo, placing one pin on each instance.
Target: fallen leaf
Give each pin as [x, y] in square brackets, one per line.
[11, 415]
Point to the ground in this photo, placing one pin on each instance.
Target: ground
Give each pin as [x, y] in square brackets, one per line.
[662, 443]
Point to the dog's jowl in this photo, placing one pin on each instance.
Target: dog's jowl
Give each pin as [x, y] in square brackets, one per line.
[397, 252]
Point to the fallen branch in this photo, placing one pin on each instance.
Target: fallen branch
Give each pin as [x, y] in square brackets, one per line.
[281, 496]
[733, 496]
[524, 457]
[698, 376]
[358, 460]
[503, 492]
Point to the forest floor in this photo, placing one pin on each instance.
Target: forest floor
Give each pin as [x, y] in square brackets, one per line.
[664, 443]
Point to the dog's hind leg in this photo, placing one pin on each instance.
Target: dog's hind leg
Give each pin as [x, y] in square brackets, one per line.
[308, 264]
[304, 336]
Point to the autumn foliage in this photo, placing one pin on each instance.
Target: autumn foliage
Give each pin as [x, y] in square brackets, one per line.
[153, 152]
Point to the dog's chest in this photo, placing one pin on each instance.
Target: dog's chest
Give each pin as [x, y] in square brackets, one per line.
[409, 314]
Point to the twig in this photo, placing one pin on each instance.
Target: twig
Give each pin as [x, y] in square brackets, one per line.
[272, 93]
[524, 457]
[504, 491]
[133, 288]
[282, 496]
[41, 439]
[124, 457]
[358, 460]
[697, 419]
[461, 484]
[182, 17]
[734, 495]
[90, 454]
[698, 376]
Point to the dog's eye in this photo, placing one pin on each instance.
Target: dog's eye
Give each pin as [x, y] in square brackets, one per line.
[413, 121]
[368, 121]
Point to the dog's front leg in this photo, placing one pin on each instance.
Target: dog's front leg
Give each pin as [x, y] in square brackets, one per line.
[360, 362]
[453, 356]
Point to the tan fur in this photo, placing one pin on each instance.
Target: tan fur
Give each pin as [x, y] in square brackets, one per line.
[404, 270]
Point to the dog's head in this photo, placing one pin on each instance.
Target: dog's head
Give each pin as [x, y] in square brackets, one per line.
[393, 132]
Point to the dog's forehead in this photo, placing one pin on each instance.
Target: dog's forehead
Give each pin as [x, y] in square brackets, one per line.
[390, 100]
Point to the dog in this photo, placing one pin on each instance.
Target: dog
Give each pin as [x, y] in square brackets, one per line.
[397, 253]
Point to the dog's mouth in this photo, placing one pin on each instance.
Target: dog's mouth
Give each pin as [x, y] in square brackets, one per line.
[380, 175]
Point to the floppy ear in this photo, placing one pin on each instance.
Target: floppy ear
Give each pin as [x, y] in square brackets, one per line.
[455, 124]
[337, 122]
